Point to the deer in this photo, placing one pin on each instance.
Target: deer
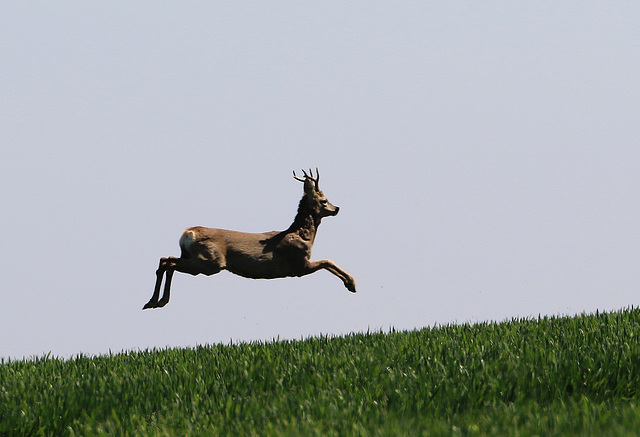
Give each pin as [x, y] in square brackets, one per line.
[267, 255]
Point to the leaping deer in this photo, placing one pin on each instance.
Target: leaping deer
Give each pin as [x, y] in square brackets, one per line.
[258, 256]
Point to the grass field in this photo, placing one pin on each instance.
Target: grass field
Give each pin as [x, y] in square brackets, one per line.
[562, 376]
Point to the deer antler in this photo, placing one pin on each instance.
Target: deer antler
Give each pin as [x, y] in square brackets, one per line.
[308, 176]
[297, 178]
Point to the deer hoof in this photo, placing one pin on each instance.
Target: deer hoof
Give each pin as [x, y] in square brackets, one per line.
[149, 304]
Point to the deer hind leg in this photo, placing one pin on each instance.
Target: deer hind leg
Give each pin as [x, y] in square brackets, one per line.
[167, 289]
[330, 266]
[184, 265]
[153, 302]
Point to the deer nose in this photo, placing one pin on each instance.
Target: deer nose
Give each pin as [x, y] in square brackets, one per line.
[337, 209]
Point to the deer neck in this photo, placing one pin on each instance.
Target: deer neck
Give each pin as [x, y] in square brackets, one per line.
[306, 222]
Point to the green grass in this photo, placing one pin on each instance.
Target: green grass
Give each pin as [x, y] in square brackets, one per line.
[562, 376]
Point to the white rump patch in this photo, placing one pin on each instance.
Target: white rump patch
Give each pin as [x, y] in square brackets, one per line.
[186, 239]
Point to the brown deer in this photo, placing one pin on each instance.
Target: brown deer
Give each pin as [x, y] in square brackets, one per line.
[258, 256]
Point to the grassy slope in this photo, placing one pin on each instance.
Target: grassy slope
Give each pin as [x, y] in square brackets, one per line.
[552, 375]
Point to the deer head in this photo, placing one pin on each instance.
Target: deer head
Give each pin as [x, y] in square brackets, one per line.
[315, 198]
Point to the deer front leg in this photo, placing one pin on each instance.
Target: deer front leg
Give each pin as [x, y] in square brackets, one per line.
[314, 266]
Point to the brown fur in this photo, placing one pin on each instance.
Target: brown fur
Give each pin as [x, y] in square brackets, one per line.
[265, 255]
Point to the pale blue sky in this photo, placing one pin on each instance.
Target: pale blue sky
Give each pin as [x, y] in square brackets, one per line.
[485, 156]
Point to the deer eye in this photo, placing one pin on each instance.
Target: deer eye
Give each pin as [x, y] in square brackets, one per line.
[323, 202]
